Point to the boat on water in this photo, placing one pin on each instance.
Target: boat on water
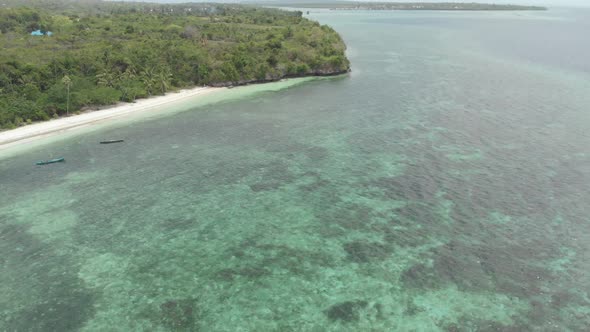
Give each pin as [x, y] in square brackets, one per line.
[112, 141]
[51, 161]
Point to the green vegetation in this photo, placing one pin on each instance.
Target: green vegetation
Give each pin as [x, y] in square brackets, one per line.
[350, 5]
[104, 52]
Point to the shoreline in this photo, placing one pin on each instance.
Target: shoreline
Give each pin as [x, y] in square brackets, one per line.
[37, 132]
[14, 137]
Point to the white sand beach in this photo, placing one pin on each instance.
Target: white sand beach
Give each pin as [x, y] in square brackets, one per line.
[33, 132]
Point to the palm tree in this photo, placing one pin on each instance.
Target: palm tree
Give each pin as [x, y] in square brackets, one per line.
[67, 81]
[106, 78]
[129, 73]
[164, 77]
[149, 80]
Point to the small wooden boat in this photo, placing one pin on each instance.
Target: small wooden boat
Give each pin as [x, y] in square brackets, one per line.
[112, 141]
[51, 161]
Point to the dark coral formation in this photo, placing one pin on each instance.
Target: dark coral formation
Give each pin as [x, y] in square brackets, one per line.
[265, 186]
[364, 252]
[346, 311]
[402, 237]
[419, 276]
[264, 259]
[417, 213]
[246, 272]
[62, 303]
[315, 182]
[179, 314]
[411, 308]
[418, 185]
[469, 324]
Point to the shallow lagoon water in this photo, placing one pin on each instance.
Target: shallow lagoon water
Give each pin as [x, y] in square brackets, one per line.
[442, 186]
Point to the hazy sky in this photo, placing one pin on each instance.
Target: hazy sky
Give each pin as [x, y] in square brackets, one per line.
[519, 2]
[514, 2]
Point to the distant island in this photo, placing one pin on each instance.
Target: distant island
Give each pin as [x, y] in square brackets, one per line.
[434, 6]
[449, 6]
[62, 56]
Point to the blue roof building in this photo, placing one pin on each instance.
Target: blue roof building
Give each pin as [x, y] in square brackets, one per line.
[41, 33]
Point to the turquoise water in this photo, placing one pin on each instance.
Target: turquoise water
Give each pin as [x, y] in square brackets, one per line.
[442, 186]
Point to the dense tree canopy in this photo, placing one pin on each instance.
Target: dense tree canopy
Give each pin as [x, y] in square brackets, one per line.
[113, 51]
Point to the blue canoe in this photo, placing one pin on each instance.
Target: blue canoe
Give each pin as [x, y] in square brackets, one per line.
[52, 161]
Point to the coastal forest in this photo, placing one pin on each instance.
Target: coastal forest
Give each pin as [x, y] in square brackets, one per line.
[64, 57]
